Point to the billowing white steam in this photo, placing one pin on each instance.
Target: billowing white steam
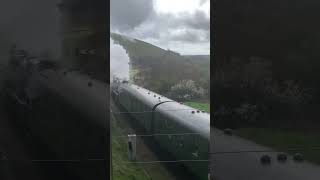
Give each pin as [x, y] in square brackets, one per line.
[119, 61]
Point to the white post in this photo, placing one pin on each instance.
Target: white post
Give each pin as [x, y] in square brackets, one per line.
[132, 147]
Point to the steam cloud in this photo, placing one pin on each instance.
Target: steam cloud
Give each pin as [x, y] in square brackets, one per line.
[119, 61]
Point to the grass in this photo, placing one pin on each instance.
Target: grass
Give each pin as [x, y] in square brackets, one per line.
[281, 140]
[122, 170]
[201, 106]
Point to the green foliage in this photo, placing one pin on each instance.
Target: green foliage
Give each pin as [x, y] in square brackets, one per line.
[277, 96]
[186, 90]
[201, 106]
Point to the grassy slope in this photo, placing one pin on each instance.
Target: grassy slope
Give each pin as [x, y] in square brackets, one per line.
[282, 140]
[201, 59]
[121, 169]
[198, 105]
[158, 67]
[137, 48]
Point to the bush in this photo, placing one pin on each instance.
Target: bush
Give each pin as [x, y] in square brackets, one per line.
[186, 90]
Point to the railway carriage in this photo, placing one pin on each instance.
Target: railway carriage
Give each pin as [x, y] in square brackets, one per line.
[179, 129]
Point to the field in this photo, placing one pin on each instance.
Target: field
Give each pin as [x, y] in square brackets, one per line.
[284, 140]
[198, 105]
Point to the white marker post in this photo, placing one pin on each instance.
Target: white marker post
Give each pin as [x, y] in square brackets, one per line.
[132, 147]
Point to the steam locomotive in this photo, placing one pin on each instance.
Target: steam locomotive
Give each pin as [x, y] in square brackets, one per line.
[65, 111]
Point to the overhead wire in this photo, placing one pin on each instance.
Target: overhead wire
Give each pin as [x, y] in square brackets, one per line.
[160, 134]
[141, 112]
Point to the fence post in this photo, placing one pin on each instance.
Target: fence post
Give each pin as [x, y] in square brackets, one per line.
[132, 147]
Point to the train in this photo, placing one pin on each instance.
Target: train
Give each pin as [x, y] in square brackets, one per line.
[66, 110]
[230, 157]
[180, 130]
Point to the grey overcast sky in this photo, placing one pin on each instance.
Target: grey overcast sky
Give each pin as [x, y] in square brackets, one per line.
[179, 25]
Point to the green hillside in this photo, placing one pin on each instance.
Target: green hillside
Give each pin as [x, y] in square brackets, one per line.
[199, 58]
[158, 69]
